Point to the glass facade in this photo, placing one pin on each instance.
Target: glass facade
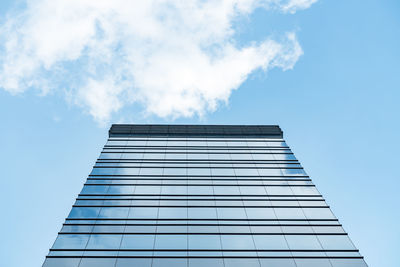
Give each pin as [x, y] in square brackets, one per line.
[191, 196]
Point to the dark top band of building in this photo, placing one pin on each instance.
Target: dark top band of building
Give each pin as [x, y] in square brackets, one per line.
[273, 131]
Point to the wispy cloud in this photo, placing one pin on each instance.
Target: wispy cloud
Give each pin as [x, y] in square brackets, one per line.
[174, 58]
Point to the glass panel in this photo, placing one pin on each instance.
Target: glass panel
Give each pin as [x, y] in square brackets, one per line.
[121, 189]
[305, 190]
[335, 242]
[318, 213]
[270, 242]
[60, 262]
[172, 213]
[137, 242]
[348, 263]
[226, 190]
[260, 213]
[200, 190]
[231, 213]
[71, 241]
[171, 242]
[162, 262]
[289, 213]
[204, 242]
[279, 190]
[241, 262]
[147, 190]
[253, 190]
[312, 263]
[143, 213]
[104, 241]
[237, 242]
[202, 213]
[303, 242]
[277, 263]
[206, 262]
[94, 189]
[113, 212]
[122, 262]
[174, 190]
[84, 212]
[93, 262]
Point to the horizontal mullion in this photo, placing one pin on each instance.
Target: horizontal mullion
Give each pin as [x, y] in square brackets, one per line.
[214, 161]
[197, 179]
[177, 195]
[195, 147]
[209, 257]
[240, 139]
[197, 167]
[197, 199]
[189, 233]
[215, 250]
[183, 152]
[190, 219]
[248, 185]
[200, 176]
[193, 206]
[206, 224]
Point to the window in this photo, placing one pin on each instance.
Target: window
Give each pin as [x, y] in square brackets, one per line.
[303, 242]
[123, 189]
[147, 189]
[231, 213]
[171, 242]
[252, 190]
[304, 190]
[200, 190]
[237, 242]
[222, 172]
[289, 213]
[174, 190]
[277, 263]
[126, 262]
[172, 213]
[113, 212]
[101, 241]
[204, 242]
[313, 263]
[318, 213]
[143, 213]
[94, 189]
[137, 242]
[62, 262]
[198, 171]
[165, 262]
[103, 171]
[246, 172]
[260, 213]
[335, 242]
[270, 242]
[202, 213]
[68, 241]
[226, 190]
[93, 262]
[84, 212]
[206, 262]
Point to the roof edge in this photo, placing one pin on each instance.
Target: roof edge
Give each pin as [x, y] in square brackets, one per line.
[120, 130]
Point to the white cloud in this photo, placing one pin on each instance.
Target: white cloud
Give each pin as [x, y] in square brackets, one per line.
[176, 58]
[292, 6]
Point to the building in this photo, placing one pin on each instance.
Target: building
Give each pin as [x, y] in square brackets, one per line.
[200, 195]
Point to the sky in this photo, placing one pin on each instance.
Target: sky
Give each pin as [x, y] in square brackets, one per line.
[327, 72]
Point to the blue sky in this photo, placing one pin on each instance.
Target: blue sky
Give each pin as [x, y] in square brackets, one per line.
[338, 108]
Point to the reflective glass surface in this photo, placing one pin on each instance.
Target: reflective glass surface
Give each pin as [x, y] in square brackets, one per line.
[211, 200]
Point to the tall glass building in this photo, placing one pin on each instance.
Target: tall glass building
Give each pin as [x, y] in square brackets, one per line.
[200, 195]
